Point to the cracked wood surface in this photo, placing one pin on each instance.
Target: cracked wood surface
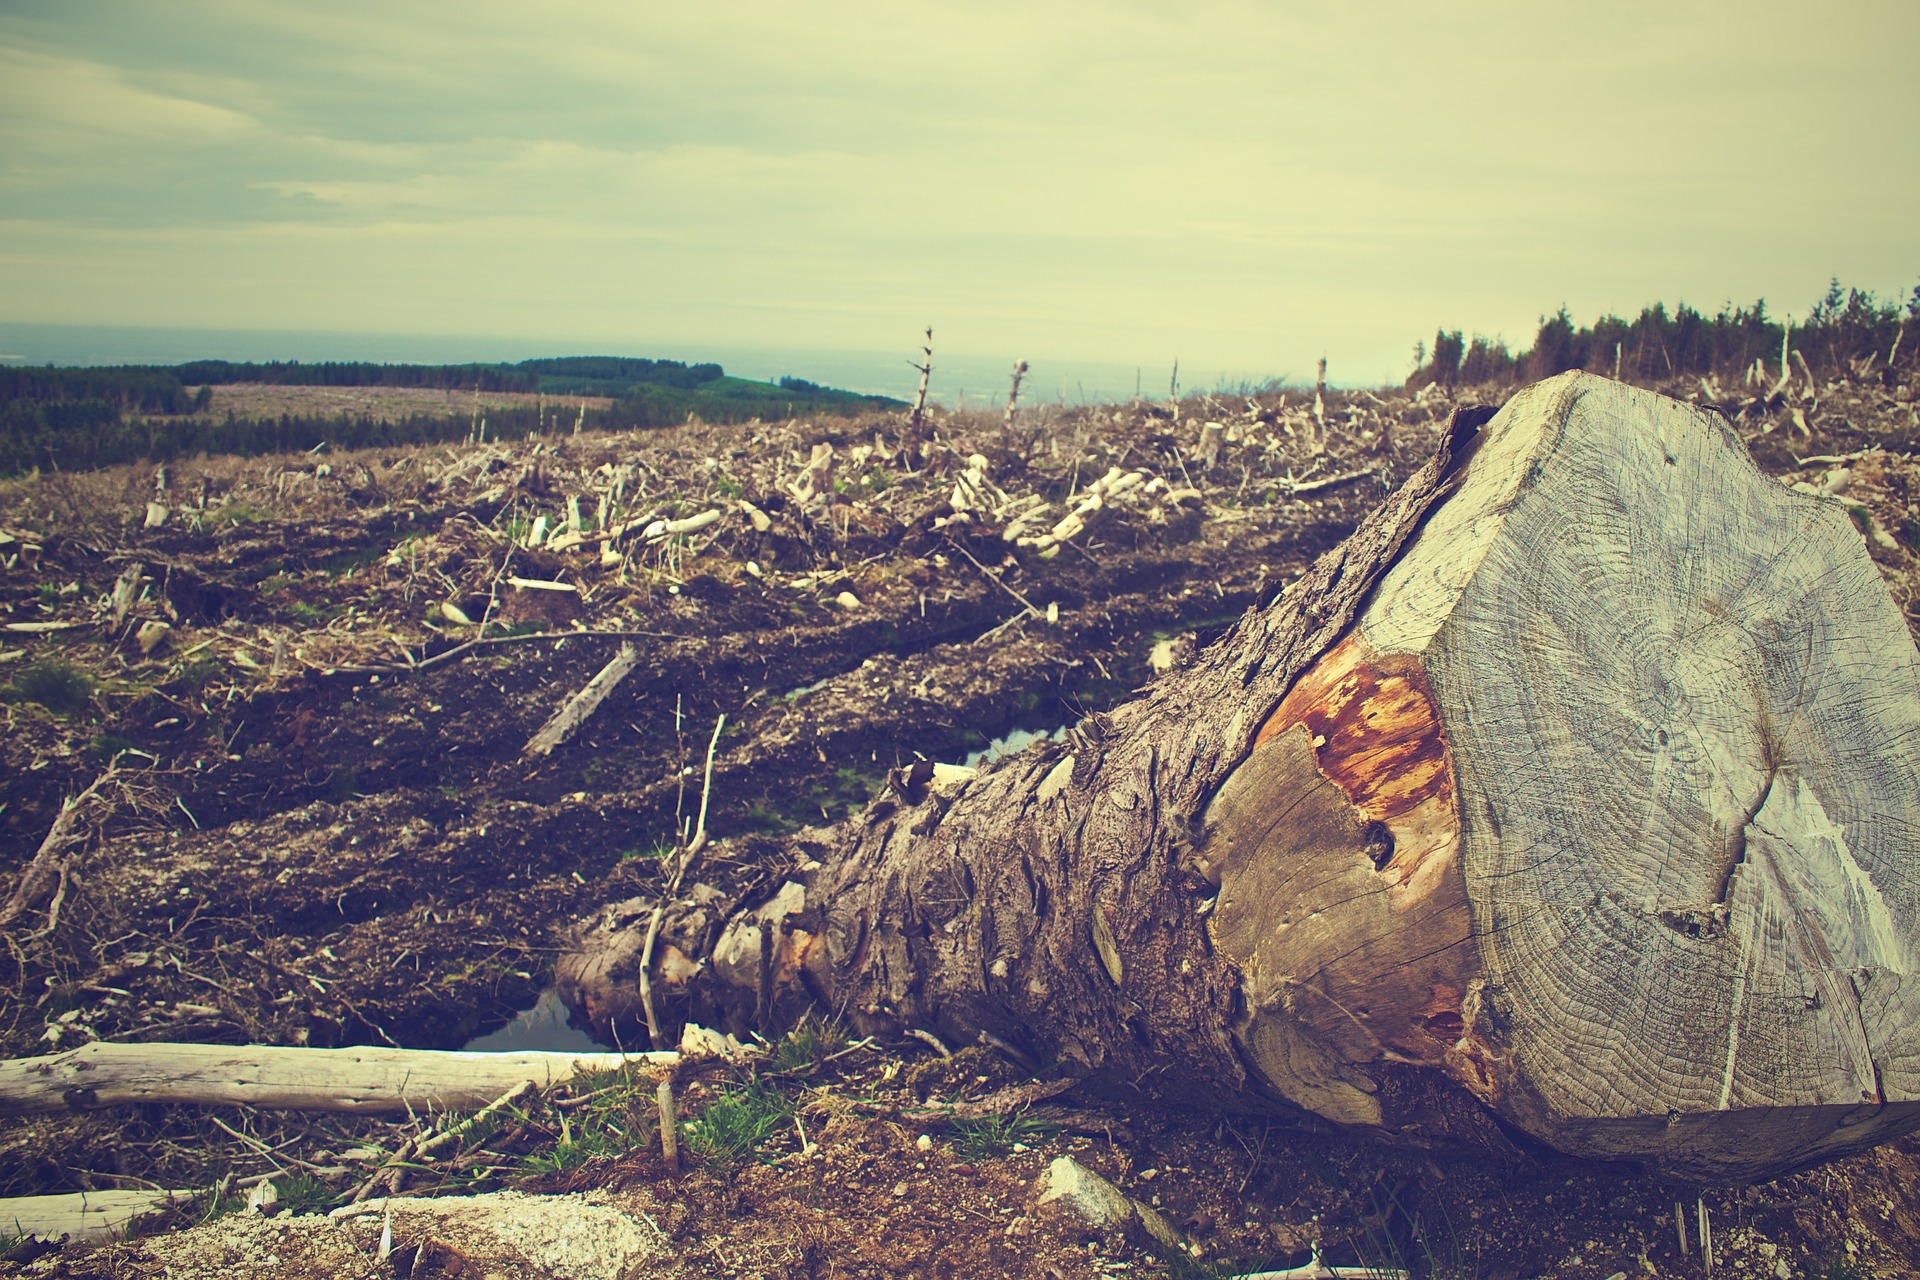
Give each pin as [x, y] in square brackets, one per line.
[1683, 712]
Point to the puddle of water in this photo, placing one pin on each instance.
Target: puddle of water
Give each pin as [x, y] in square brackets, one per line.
[1015, 740]
[794, 695]
[542, 1027]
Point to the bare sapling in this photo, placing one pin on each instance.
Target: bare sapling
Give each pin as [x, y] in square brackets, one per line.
[926, 373]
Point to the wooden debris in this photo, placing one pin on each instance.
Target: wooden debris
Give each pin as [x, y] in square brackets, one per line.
[564, 722]
[1298, 487]
[91, 1217]
[365, 1080]
[452, 1138]
[43, 873]
[151, 635]
[660, 530]
[40, 628]
[126, 589]
[669, 1125]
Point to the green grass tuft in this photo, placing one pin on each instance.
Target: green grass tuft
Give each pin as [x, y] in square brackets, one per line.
[305, 1193]
[736, 1122]
[60, 687]
[801, 1049]
[995, 1135]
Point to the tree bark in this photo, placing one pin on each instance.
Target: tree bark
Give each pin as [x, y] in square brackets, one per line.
[1577, 789]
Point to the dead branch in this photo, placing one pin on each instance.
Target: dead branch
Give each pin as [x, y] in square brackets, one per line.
[568, 719]
[364, 1080]
[44, 873]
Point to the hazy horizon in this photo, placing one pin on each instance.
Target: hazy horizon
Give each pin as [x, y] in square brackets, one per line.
[1094, 187]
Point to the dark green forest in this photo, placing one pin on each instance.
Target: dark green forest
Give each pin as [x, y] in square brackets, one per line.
[79, 418]
[1846, 332]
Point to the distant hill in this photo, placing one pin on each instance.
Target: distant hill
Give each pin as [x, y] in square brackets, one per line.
[77, 417]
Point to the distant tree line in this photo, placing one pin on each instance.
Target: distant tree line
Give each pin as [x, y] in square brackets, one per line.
[1846, 331]
[166, 388]
[75, 419]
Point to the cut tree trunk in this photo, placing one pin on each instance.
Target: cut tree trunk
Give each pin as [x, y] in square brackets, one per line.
[1579, 788]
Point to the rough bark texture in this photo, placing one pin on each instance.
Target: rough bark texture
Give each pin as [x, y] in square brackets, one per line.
[1055, 902]
[1593, 806]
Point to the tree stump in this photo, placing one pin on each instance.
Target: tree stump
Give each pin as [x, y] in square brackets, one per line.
[1579, 787]
[1608, 806]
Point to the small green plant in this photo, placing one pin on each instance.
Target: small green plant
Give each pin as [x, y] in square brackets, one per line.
[49, 593]
[315, 613]
[305, 1193]
[236, 513]
[736, 1122]
[1410, 1238]
[343, 783]
[995, 1135]
[801, 1049]
[1837, 1268]
[106, 746]
[616, 1120]
[764, 819]
[60, 687]
[209, 1205]
[654, 853]
[563, 1156]
[197, 671]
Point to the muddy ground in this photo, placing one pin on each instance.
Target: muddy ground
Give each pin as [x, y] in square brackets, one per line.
[314, 689]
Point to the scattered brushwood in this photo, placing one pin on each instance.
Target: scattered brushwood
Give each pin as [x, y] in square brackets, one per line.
[328, 833]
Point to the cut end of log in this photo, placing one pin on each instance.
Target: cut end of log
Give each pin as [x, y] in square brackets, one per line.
[1606, 808]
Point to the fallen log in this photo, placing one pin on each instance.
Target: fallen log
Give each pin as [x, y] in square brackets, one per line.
[366, 1081]
[82, 1216]
[1577, 789]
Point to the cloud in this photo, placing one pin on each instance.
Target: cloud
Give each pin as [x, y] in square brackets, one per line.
[1261, 178]
[46, 99]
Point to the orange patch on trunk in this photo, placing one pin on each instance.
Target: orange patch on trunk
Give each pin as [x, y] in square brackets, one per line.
[1377, 736]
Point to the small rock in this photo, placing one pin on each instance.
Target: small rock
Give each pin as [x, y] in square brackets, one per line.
[264, 1199]
[1070, 1189]
[923, 1143]
[899, 1190]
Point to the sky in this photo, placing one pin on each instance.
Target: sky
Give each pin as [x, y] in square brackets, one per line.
[1093, 186]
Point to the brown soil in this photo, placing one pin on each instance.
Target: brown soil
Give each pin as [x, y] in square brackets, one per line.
[317, 835]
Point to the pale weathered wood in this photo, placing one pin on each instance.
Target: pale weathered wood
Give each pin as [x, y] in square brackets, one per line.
[1663, 720]
[90, 1216]
[564, 722]
[363, 1080]
[43, 872]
